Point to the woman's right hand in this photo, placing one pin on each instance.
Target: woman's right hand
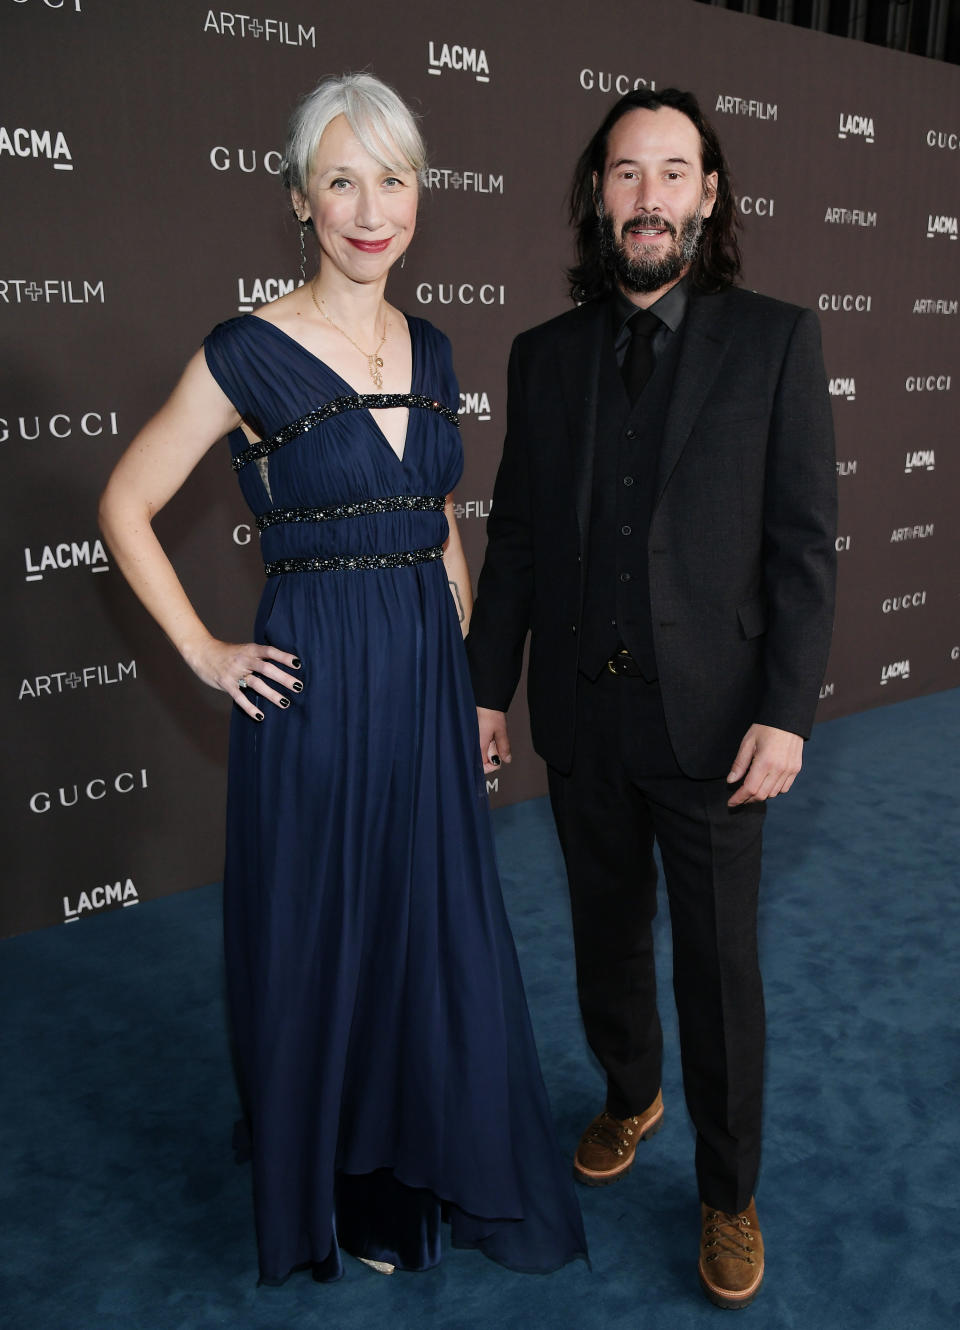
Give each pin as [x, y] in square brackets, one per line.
[223, 665]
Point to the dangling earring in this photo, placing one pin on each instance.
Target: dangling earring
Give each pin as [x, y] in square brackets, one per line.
[303, 251]
[403, 259]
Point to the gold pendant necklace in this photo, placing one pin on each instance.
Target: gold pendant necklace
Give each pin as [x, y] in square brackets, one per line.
[374, 359]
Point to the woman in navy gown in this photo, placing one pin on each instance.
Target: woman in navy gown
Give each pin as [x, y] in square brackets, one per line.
[388, 1071]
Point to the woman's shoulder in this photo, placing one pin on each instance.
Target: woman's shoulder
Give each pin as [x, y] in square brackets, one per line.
[427, 332]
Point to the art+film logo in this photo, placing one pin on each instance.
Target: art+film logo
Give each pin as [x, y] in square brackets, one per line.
[464, 293]
[847, 467]
[451, 57]
[752, 108]
[274, 31]
[122, 893]
[856, 126]
[850, 217]
[49, 145]
[922, 531]
[472, 508]
[58, 682]
[827, 690]
[51, 291]
[88, 554]
[935, 306]
[846, 389]
[471, 182]
[60, 425]
[95, 789]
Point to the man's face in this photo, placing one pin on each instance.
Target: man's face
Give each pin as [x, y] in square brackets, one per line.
[652, 199]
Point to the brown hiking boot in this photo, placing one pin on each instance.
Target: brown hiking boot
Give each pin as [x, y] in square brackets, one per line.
[731, 1256]
[607, 1147]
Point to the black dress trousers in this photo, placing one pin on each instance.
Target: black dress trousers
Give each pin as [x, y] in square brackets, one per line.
[624, 792]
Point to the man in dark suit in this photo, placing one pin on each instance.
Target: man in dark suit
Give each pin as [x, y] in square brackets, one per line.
[663, 525]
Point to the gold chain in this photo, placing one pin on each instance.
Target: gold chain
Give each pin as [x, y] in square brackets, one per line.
[373, 358]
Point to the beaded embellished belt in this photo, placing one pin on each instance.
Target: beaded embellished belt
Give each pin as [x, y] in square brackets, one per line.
[354, 562]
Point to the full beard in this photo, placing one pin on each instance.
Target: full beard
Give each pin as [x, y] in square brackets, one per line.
[645, 273]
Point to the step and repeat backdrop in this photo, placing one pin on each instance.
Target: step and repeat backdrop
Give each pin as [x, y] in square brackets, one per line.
[139, 156]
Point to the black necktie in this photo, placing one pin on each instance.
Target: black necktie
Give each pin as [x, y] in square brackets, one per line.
[638, 362]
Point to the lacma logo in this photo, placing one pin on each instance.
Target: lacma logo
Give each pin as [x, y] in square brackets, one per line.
[261, 290]
[941, 226]
[859, 126]
[47, 143]
[899, 669]
[843, 388]
[53, 558]
[922, 459]
[464, 59]
[100, 898]
[476, 405]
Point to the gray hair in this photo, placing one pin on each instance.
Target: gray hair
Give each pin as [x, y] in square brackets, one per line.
[378, 116]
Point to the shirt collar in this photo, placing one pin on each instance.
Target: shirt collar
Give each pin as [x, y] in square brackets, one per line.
[669, 309]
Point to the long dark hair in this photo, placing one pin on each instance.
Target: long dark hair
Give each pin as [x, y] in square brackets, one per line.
[717, 263]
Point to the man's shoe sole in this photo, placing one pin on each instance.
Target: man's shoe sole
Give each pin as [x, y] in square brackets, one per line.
[589, 1178]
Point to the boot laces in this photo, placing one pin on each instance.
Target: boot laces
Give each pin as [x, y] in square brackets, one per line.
[729, 1235]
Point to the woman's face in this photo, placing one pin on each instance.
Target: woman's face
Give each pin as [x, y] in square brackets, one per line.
[364, 215]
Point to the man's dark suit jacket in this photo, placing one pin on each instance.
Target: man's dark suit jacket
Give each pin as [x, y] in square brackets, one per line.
[742, 537]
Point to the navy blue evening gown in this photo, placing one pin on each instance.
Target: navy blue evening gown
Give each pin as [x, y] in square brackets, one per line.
[387, 1063]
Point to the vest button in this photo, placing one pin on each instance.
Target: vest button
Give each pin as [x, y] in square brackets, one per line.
[631, 433]
[624, 577]
[625, 530]
[628, 480]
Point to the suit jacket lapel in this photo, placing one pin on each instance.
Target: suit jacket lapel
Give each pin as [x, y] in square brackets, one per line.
[580, 375]
[706, 335]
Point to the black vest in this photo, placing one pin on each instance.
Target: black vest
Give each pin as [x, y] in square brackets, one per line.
[616, 605]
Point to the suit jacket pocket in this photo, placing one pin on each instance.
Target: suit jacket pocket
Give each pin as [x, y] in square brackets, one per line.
[753, 618]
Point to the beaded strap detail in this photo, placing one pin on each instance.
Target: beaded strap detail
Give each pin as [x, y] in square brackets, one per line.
[355, 402]
[399, 503]
[356, 563]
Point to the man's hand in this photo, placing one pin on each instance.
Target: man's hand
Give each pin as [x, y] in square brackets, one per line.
[768, 761]
[494, 739]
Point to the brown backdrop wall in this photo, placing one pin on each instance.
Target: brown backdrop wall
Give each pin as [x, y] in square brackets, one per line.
[138, 167]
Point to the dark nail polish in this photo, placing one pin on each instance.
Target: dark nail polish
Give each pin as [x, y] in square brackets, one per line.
[297, 686]
[295, 663]
[258, 715]
[284, 701]
[495, 760]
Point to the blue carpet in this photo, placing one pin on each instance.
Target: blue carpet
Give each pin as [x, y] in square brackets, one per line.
[122, 1210]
